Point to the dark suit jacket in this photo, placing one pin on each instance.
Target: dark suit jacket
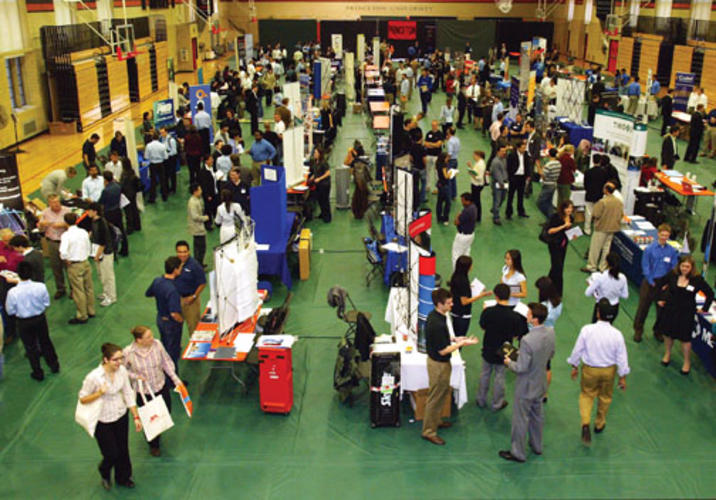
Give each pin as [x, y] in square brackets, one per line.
[668, 152]
[207, 183]
[696, 128]
[667, 106]
[513, 163]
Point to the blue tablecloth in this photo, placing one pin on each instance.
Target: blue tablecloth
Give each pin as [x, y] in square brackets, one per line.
[630, 254]
[703, 343]
[577, 132]
[394, 261]
[274, 261]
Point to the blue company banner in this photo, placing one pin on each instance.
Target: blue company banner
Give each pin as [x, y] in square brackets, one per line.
[317, 81]
[164, 113]
[683, 85]
[515, 93]
[197, 94]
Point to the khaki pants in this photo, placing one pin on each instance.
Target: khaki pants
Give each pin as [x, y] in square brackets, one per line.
[564, 192]
[710, 141]
[256, 173]
[105, 272]
[596, 383]
[80, 277]
[191, 313]
[598, 250]
[588, 208]
[56, 264]
[439, 378]
[633, 103]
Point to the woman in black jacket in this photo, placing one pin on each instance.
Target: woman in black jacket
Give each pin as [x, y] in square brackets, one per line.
[556, 229]
[679, 308]
[131, 186]
[462, 295]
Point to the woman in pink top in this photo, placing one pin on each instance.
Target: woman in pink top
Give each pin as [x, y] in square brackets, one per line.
[147, 360]
[566, 175]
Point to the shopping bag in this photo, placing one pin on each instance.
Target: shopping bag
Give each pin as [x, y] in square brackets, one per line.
[87, 415]
[154, 415]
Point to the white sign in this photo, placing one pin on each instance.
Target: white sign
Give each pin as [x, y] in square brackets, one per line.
[360, 48]
[350, 76]
[337, 44]
[376, 52]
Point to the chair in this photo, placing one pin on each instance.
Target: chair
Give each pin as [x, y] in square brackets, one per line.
[375, 260]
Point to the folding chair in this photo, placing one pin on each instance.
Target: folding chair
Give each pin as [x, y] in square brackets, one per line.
[374, 258]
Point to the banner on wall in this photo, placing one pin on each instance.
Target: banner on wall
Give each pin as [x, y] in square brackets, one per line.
[337, 44]
[683, 86]
[402, 30]
[197, 94]
[10, 189]
[164, 113]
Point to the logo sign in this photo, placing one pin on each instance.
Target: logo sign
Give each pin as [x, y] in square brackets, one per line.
[683, 85]
[164, 113]
[402, 30]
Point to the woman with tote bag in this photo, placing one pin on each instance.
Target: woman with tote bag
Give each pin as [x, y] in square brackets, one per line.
[147, 361]
[109, 384]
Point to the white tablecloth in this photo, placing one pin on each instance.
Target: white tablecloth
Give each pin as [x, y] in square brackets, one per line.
[414, 372]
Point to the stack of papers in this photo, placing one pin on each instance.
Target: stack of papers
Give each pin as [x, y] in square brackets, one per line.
[244, 342]
[282, 341]
[476, 287]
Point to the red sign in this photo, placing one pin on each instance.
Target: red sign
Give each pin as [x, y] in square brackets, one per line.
[420, 225]
[402, 30]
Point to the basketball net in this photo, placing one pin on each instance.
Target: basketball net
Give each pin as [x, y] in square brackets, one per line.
[504, 6]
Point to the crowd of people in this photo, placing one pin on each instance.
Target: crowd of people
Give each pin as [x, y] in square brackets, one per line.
[219, 193]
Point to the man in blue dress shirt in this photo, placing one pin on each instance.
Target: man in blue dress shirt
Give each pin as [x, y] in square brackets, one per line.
[190, 283]
[262, 152]
[633, 92]
[169, 317]
[27, 302]
[657, 260]
[172, 156]
[202, 122]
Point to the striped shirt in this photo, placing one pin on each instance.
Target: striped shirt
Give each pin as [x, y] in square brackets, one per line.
[118, 395]
[150, 364]
[550, 172]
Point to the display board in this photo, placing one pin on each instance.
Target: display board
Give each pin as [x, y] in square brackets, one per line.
[293, 145]
[360, 48]
[349, 75]
[164, 113]
[292, 91]
[10, 189]
[376, 52]
[337, 44]
[683, 86]
[570, 99]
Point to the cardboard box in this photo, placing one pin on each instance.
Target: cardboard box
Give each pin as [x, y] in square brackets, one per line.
[357, 108]
[304, 259]
[418, 400]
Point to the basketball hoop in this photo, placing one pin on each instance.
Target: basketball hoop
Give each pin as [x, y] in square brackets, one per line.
[123, 56]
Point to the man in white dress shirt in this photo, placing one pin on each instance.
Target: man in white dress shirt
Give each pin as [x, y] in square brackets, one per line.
[114, 165]
[75, 249]
[93, 184]
[602, 351]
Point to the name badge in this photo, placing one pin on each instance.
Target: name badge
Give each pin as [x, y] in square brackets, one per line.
[689, 288]
[667, 259]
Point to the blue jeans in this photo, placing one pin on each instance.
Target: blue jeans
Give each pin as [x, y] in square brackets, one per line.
[443, 207]
[544, 202]
[452, 163]
[498, 196]
[170, 335]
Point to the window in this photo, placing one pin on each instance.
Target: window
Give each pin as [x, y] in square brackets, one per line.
[13, 69]
[11, 34]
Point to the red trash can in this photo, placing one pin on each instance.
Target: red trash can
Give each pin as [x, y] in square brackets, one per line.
[275, 380]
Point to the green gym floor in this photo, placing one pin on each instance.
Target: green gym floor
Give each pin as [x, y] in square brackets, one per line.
[657, 443]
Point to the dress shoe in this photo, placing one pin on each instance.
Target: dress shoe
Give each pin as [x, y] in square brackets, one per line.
[586, 435]
[524, 216]
[445, 425]
[544, 400]
[497, 222]
[509, 456]
[685, 372]
[665, 363]
[502, 406]
[127, 484]
[535, 451]
[90, 316]
[39, 376]
[59, 295]
[77, 321]
[435, 440]
[637, 336]
[106, 484]
[155, 452]
[658, 337]
[55, 369]
[599, 430]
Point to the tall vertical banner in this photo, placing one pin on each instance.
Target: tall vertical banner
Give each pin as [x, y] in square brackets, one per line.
[350, 76]
[10, 190]
[683, 85]
[376, 52]
[360, 48]
[249, 47]
[337, 44]
[514, 94]
[197, 94]
[524, 65]
[531, 86]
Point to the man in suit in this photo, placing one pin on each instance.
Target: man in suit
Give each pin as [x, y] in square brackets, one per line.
[667, 107]
[669, 153]
[536, 349]
[252, 106]
[696, 130]
[517, 167]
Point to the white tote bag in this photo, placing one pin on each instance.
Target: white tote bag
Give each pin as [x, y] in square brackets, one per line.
[87, 415]
[154, 414]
